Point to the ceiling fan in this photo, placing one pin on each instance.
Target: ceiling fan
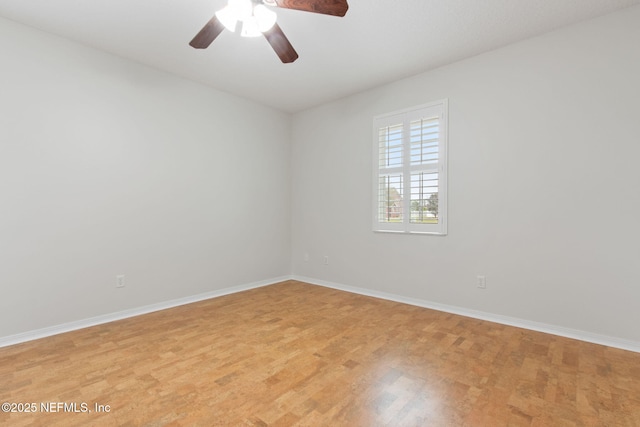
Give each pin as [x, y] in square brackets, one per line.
[258, 20]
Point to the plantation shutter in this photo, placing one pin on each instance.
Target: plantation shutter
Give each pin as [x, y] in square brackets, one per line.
[410, 170]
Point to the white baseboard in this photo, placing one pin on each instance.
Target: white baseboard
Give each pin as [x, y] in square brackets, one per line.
[505, 320]
[106, 318]
[496, 318]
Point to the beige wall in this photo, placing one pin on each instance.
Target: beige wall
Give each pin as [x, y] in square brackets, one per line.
[543, 184]
[108, 167]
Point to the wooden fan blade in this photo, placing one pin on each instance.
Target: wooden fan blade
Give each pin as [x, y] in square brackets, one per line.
[280, 44]
[326, 7]
[207, 34]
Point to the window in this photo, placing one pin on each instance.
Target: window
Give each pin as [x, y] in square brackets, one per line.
[410, 170]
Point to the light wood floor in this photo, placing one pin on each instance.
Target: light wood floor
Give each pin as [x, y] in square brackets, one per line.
[297, 354]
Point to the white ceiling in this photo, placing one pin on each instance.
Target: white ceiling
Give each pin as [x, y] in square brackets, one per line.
[378, 41]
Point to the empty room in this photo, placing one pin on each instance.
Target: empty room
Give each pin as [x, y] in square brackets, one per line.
[320, 213]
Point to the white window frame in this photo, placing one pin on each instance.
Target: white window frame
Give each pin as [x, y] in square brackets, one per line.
[437, 109]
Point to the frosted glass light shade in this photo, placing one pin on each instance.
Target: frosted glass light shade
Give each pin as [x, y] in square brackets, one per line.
[227, 16]
[255, 19]
[250, 27]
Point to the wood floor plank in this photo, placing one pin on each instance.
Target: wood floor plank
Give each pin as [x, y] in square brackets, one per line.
[294, 354]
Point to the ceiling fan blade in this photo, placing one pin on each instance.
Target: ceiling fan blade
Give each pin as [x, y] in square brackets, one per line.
[207, 34]
[326, 7]
[281, 44]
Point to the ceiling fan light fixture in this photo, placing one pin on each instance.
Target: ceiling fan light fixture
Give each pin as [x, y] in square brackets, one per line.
[264, 17]
[255, 19]
[234, 11]
[250, 27]
[259, 20]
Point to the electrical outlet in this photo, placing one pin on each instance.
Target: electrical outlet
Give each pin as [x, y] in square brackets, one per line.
[482, 282]
[120, 281]
[326, 260]
[306, 257]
